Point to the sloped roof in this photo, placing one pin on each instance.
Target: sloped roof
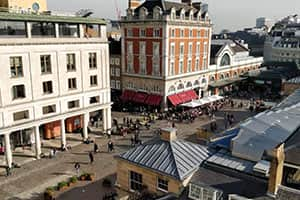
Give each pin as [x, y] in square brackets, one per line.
[268, 129]
[177, 159]
[166, 6]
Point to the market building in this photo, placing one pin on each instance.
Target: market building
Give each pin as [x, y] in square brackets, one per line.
[229, 59]
[165, 52]
[55, 72]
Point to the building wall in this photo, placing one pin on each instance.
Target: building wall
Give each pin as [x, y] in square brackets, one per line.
[115, 71]
[23, 4]
[30, 49]
[149, 178]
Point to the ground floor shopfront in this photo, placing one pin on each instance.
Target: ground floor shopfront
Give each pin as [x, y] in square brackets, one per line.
[31, 133]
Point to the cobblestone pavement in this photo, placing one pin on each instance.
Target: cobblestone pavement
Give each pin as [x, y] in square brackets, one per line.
[29, 181]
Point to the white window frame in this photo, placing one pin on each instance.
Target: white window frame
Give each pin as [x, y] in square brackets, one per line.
[158, 178]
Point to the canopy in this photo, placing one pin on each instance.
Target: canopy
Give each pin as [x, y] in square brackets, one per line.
[201, 102]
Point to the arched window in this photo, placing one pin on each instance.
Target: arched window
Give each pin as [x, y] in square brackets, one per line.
[235, 74]
[180, 86]
[143, 13]
[203, 82]
[212, 78]
[189, 85]
[172, 89]
[196, 83]
[156, 12]
[182, 14]
[227, 75]
[191, 15]
[222, 77]
[225, 61]
[173, 14]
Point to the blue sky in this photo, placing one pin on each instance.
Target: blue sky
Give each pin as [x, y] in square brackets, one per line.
[226, 14]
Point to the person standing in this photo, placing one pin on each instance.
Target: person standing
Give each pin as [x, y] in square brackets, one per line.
[96, 147]
[91, 158]
[8, 171]
[77, 168]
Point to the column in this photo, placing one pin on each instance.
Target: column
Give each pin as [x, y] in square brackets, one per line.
[104, 120]
[63, 133]
[56, 30]
[8, 153]
[200, 91]
[38, 150]
[108, 120]
[86, 120]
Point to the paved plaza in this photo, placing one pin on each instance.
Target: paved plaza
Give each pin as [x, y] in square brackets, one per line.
[31, 179]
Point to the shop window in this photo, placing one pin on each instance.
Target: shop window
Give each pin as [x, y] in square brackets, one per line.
[93, 60]
[45, 64]
[18, 91]
[73, 104]
[68, 30]
[42, 29]
[21, 115]
[72, 85]
[16, 66]
[95, 99]
[162, 184]
[47, 87]
[136, 181]
[71, 62]
[12, 29]
[49, 109]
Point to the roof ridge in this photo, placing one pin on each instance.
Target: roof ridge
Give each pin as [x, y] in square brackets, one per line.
[173, 156]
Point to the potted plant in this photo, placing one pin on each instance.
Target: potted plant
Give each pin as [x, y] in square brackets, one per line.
[49, 193]
[72, 180]
[62, 185]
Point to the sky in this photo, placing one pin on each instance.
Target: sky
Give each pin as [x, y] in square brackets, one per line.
[225, 14]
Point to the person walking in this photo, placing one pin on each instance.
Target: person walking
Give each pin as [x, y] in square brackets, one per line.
[91, 158]
[8, 171]
[96, 147]
[77, 168]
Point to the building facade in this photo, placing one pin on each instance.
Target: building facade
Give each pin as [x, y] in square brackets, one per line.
[165, 50]
[283, 41]
[54, 74]
[25, 6]
[229, 60]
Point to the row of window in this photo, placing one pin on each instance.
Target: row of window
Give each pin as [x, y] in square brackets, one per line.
[115, 84]
[136, 182]
[49, 109]
[46, 29]
[16, 64]
[115, 71]
[19, 90]
[142, 33]
[189, 66]
[146, 88]
[115, 61]
[191, 46]
[190, 33]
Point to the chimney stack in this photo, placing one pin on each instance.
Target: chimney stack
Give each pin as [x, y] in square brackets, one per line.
[168, 134]
[276, 169]
[189, 2]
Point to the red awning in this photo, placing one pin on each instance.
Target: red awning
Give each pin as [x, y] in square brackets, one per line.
[193, 94]
[140, 97]
[153, 100]
[127, 95]
[175, 100]
[184, 96]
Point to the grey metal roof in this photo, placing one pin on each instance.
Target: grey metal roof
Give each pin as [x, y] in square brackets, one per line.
[268, 129]
[225, 159]
[176, 158]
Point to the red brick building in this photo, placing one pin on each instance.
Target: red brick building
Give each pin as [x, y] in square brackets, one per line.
[165, 52]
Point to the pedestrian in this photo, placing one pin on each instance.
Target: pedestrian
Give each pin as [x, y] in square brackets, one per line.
[77, 168]
[110, 146]
[173, 125]
[96, 147]
[51, 154]
[91, 157]
[8, 171]
[132, 140]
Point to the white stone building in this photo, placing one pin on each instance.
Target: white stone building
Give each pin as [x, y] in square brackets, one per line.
[54, 73]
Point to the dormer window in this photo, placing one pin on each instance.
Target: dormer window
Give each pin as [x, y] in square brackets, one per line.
[191, 15]
[182, 14]
[157, 12]
[173, 14]
[143, 13]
